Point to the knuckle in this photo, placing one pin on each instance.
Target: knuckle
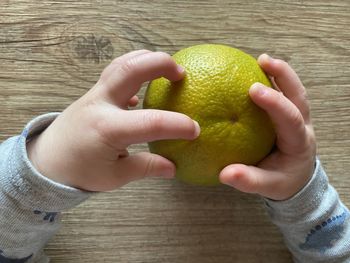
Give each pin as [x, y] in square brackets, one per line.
[103, 128]
[292, 113]
[302, 95]
[128, 66]
[163, 57]
[105, 74]
[144, 50]
[154, 120]
[278, 99]
[149, 167]
[295, 118]
[303, 98]
[254, 184]
[115, 61]
[311, 142]
[282, 63]
[283, 66]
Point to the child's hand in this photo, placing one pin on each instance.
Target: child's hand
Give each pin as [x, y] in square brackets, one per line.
[286, 170]
[86, 146]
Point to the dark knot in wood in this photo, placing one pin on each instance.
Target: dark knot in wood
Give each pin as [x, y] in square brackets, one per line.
[94, 48]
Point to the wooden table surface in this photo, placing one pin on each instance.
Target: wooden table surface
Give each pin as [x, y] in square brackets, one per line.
[52, 52]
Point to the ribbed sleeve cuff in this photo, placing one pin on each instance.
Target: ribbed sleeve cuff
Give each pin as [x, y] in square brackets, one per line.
[27, 185]
[304, 201]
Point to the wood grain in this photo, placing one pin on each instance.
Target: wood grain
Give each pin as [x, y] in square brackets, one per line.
[52, 52]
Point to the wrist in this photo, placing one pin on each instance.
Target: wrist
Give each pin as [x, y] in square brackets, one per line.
[34, 156]
[304, 200]
[45, 160]
[307, 170]
[25, 185]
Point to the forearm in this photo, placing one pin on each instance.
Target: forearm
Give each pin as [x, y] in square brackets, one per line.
[30, 202]
[314, 223]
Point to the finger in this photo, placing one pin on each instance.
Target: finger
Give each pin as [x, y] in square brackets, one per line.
[143, 165]
[139, 126]
[288, 82]
[133, 101]
[110, 69]
[287, 119]
[126, 81]
[251, 179]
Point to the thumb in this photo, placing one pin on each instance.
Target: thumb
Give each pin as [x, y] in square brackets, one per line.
[251, 179]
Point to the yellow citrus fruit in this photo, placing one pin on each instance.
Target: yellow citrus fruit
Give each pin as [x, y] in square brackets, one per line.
[214, 92]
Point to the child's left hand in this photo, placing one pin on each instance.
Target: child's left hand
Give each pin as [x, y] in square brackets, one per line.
[287, 169]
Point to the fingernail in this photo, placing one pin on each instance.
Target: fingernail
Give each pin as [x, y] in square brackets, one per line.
[259, 89]
[197, 129]
[180, 69]
[265, 58]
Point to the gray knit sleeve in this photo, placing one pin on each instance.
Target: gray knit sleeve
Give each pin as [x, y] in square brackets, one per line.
[30, 203]
[315, 223]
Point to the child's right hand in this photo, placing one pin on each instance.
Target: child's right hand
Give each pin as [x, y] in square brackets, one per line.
[86, 146]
